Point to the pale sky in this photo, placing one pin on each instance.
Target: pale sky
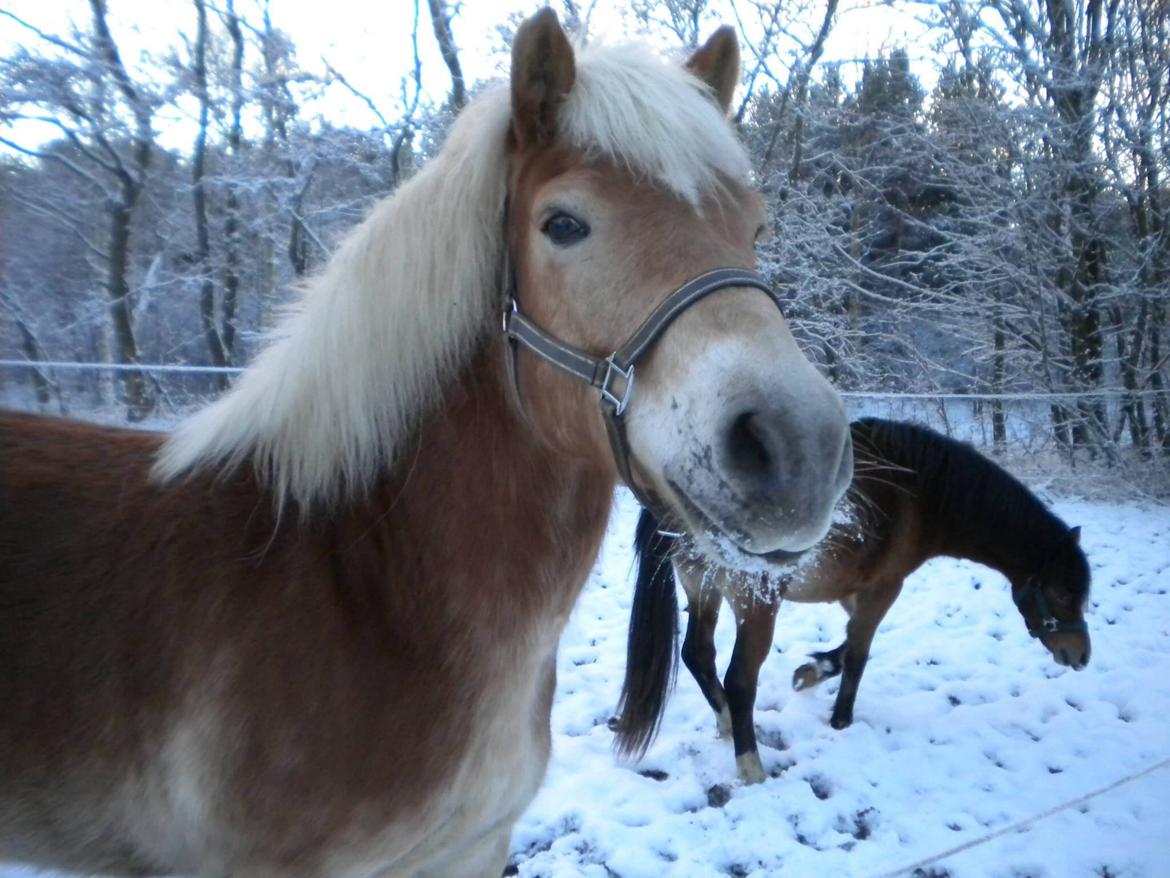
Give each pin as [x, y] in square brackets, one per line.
[370, 42]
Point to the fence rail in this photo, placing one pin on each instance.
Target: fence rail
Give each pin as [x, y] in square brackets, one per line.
[1016, 426]
[179, 368]
[160, 368]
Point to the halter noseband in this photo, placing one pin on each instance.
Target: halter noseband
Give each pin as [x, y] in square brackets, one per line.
[1049, 624]
[613, 376]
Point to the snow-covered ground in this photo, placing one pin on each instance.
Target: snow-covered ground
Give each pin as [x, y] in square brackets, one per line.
[964, 725]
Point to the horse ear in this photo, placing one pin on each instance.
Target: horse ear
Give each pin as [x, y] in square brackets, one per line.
[543, 72]
[717, 64]
[1075, 534]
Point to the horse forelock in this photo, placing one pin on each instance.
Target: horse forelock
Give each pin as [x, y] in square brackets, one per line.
[651, 115]
[345, 380]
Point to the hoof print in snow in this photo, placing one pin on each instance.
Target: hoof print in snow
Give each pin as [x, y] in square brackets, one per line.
[654, 774]
[953, 700]
[863, 824]
[860, 825]
[820, 787]
[773, 739]
[718, 795]
[932, 872]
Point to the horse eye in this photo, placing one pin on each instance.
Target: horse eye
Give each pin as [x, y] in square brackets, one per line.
[563, 229]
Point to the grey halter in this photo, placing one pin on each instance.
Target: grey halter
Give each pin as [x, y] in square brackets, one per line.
[613, 376]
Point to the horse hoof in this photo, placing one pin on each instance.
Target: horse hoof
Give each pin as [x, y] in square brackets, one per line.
[750, 769]
[841, 722]
[805, 677]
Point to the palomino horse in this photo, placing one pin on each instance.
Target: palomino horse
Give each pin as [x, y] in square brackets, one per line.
[916, 495]
[313, 632]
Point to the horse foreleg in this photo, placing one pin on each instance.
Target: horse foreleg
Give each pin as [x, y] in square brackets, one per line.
[756, 622]
[870, 608]
[698, 649]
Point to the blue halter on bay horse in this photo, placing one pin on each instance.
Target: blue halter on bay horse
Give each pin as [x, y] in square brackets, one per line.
[916, 495]
[313, 631]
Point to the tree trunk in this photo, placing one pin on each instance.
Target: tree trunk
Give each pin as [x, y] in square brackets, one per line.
[207, 310]
[137, 395]
[441, 22]
[139, 398]
[998, 421]
[231, 225]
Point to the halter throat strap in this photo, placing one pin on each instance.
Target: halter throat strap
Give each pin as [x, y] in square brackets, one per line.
[613, 376]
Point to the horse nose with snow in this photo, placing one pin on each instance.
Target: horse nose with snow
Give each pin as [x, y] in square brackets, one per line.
[249, 649]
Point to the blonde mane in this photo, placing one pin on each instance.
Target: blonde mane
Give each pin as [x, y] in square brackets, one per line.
[413, 292]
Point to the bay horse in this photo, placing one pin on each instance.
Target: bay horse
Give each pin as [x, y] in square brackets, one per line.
[312, 633]
[916, 495]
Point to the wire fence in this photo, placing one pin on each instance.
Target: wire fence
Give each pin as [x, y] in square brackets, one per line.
[1022, 430]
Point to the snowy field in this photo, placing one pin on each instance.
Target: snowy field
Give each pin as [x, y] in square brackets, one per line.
[964, 726]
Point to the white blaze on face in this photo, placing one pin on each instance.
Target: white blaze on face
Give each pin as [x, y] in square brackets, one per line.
[738, 430]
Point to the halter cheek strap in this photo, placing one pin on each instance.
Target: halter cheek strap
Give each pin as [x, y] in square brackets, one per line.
[613, 376]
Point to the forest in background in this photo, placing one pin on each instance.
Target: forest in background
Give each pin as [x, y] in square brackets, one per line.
[1004, 231]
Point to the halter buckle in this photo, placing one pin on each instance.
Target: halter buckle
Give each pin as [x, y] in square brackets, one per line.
[611, 367]
[1050, 625]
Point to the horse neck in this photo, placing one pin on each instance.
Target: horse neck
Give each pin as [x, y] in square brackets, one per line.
[483, 529]
[987, 536]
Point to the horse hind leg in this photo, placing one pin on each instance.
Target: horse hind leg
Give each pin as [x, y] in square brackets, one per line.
[698, 649]
[824, 666]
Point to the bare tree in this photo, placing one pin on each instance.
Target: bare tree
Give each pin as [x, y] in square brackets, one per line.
[441, 24]
[207, 309]
[683, 19]
[86, 92]
[231, 221]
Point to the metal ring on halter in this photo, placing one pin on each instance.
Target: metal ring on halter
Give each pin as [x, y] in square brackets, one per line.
[510, 308]
[1049, 624]
[619, 403]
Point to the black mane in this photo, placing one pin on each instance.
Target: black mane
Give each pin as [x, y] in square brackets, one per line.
[959, 488]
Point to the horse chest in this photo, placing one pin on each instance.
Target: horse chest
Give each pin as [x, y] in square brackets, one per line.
[501, 753]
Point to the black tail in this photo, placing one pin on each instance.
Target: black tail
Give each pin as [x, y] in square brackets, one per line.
[651, 656]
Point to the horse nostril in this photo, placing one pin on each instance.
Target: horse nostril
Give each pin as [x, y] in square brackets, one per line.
[748, 448]
[1064, 657]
